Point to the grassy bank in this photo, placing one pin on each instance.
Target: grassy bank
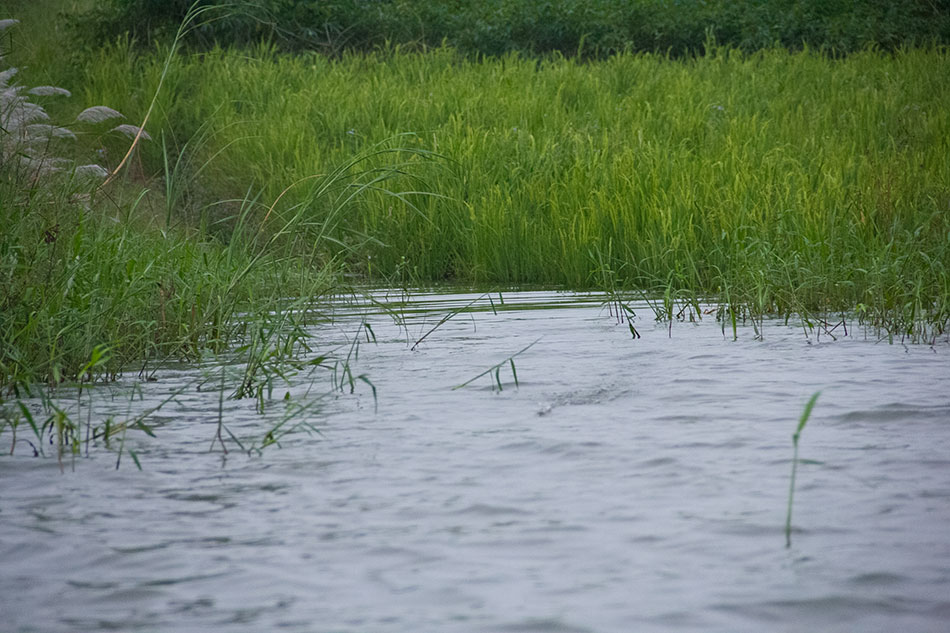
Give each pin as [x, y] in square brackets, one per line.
[773, 181]
[782, 181]
[102, 274]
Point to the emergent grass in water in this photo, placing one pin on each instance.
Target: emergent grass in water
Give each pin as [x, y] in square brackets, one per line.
[791, 487]
[625, 484]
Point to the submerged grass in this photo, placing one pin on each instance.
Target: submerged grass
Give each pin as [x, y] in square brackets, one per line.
[495, 370]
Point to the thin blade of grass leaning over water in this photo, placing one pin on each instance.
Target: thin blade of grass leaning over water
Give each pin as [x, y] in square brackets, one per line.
[496, 369]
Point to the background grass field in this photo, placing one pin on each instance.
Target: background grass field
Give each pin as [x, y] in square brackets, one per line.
[774, 181]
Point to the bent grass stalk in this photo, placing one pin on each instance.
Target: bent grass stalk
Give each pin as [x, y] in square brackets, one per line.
[806, 413]
[495, 369]
[194, 11]
[448, 317]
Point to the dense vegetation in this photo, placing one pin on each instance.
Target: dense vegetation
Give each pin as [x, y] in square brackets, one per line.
[102, 276]
[773, 181]
[790, 181]
[496, 27]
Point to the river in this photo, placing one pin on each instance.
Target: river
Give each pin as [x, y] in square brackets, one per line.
[623, 484]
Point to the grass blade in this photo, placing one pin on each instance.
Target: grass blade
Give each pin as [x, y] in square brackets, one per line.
[806, 413]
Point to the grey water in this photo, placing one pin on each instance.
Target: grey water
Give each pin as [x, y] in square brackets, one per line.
[622, 485]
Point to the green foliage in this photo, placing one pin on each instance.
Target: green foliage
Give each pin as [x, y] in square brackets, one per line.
[74, 277]
[87, 265]
[784, 182]
[495, 27]
[774, 181]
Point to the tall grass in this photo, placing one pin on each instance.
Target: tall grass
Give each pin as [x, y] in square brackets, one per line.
[96, 267]
[778, 181]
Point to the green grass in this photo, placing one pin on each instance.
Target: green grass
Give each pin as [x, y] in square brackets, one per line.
[781, 182]
[136, 269]
[772, 182]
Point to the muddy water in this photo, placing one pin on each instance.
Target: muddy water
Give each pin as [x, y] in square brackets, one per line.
[623, 485]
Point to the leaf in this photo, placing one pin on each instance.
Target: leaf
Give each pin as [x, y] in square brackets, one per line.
[370, 331]
[806, 414]
[29, 418]
[144, 427]
[365, 379]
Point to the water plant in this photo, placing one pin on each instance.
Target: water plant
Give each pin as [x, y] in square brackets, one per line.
[452, 314]
[802, 421]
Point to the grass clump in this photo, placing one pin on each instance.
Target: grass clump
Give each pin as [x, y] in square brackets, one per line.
[94, 266]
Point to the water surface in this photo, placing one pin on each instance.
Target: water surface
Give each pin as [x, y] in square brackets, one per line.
[623, 485]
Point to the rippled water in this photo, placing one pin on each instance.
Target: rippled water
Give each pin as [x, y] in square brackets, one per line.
[624, 485]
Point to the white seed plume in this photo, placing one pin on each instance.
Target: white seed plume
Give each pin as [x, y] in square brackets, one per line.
[16, 113]
[131, 131]
[97, 114]
[44, 131]
[5, 76]
[49, 91]
[92, 172]
[26, 140]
